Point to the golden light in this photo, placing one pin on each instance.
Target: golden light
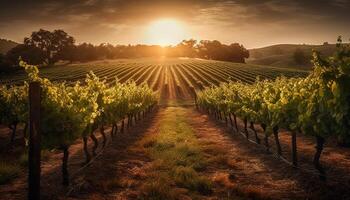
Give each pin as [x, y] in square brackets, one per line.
[165, 32]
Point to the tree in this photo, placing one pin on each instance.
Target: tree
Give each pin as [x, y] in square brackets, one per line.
[299, 57]
[216, 51]
[209, 49]
[105, 51]
[187, 48]
[53, 44]
[84, 52]
[237, 53]
[45, 47]
[30, 54]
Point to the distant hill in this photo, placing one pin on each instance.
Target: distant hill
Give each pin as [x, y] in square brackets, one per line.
[281, 55]
[6, 45]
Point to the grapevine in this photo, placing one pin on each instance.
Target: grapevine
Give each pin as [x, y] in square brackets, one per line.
[73, 111]
[317, 105]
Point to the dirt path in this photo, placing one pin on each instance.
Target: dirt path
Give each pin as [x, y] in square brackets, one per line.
[244, 168]
[119, 171]
[256, 173]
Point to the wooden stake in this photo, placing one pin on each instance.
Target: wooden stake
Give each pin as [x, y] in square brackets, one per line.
[34, 141]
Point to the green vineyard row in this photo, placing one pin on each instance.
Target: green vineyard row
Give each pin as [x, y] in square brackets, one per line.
[317, 105]
[75, 111]
[181, 76]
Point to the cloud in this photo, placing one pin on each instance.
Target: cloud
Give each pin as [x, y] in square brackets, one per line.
[120, 11]
[100, 19]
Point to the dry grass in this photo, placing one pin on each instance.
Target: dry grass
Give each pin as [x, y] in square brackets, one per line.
[177, 159]
[188, 178]
[158, 188]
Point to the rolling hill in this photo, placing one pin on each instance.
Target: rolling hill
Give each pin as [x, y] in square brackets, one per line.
[6, 45]
[281, 55]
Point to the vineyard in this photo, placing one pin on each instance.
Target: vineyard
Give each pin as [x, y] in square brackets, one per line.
[315, 106]
[175, 100]
[72, 112]
[108, 137]
[173, 78]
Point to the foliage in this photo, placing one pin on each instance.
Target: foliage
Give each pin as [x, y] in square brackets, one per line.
[13, 104]
[318, 105]
[30, 54]
[187, 48]
[333, 74]
[216, 51]
[52, 44]
[45, 47]
[69, 112]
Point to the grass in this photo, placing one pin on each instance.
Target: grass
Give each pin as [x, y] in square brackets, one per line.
[8, 172]
[176, 102]
[178, 159]
[188, 178]
[158, 189]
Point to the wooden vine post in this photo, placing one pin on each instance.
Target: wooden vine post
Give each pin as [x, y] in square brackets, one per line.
[294, 149]
[34, 141]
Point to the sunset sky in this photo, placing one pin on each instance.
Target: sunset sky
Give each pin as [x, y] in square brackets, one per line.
[254, 23]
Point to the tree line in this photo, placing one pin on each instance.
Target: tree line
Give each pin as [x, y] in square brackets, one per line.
[46, 48]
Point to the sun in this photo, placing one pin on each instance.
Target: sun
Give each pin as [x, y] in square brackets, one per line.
[165, 32]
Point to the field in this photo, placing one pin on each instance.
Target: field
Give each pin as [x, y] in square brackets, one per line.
[179, 152]
[174, 78]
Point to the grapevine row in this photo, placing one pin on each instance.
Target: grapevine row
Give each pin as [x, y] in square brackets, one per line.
[199, 72]
[318, 105]
[73, 111]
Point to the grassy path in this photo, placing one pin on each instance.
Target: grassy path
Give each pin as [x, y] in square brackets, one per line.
[177, 159]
